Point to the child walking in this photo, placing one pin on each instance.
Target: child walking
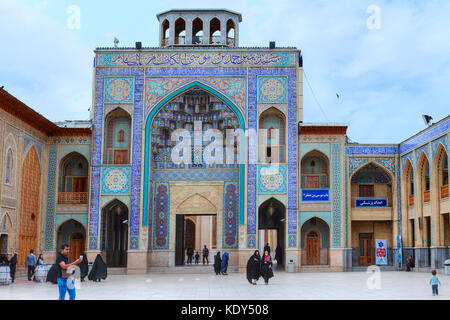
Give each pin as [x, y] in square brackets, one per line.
[434, 281]
[197, 257]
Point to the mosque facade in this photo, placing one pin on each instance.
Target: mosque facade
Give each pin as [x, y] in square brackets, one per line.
[123, 184]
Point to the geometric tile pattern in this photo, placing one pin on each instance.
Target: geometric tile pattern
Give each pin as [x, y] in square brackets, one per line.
[355, 163]
[158, 88]
[272, 180]
[51, 194]
[161, 216]
[336, 185]
[195, 175]
[115, 180]
[426, 136]
[372, 150]
[197, 59]
[119, 90]
[230, 205]
[423, 149]
[435, 144]
[272, 89]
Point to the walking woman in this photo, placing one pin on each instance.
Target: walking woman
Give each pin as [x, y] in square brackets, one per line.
[99, 270]
[266, 267]
[224, 267]
[254, 268]
[12, 266]
[217, 263]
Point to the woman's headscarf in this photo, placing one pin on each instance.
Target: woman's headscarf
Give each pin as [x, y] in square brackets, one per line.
[99, 269]
[224, 262]
[254, 266]
[217, 262]
[84, 268]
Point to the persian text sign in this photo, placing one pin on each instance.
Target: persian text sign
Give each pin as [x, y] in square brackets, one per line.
[315, 195]
[196, 59]
[381, 252]
[371, 203]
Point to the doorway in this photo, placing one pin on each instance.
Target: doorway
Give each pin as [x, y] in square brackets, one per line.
[271, 219]
[194, 231]
[115, 234]
[76, 245]
[366, 252]
[313, 248]
[3, 244]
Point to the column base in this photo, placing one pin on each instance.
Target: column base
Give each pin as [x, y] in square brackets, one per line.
[137, 261]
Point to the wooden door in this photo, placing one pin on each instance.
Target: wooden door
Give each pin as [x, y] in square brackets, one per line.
[120, 156]
[313, 248]
[366, 251]
[79, 184]
[366, 190]
[76, 247]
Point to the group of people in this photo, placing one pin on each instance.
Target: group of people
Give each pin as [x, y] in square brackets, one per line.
[31, 262]
[221, 263]
[258, 266]
[190, 254]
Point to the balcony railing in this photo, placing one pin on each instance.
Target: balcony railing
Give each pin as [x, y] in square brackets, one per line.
[426, 196]
[73, 197]
[389, 202]
[444, 191]
[411, 200]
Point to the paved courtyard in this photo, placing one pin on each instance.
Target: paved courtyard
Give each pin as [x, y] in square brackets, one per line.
[285, 286]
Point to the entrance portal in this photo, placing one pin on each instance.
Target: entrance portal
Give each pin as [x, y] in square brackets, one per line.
[271, 217]
[194, 231]
[115, 233]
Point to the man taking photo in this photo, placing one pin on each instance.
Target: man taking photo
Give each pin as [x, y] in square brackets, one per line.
[64, 283]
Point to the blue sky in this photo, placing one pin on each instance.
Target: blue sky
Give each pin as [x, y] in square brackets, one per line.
[386, 78]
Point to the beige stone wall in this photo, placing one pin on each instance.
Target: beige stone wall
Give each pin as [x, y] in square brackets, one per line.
[380, 230]
[12, 132]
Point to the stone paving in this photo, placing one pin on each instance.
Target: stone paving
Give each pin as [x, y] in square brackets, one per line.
[204, 286]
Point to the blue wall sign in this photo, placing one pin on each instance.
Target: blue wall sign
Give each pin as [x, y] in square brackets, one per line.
[371, 203]
[314, 195]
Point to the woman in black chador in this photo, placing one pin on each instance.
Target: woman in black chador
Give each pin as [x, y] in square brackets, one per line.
[12, 266]
[217, 263]
[254, 268]
[266, 267]
[52, 275]
[278, 256]
[99, 270]
[84, 268]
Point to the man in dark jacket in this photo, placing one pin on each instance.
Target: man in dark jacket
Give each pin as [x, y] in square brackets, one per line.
[190, 253]
[205, 253]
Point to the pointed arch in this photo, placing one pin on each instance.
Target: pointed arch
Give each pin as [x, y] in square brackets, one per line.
[315, 170]
[29, 204]
[147, 141]
[389, 173]
[196, 203]
[115, 151]
[272, 146]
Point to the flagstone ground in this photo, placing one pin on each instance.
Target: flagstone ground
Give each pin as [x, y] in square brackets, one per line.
[284, 286]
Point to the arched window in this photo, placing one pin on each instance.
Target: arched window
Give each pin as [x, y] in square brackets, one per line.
[197, 31]
[165, 33]
[9, 167]
[117, 137]
[272, 141]
[371, 182]
[231, 33]
[180, 31]
[314, 171]
[214, 31]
